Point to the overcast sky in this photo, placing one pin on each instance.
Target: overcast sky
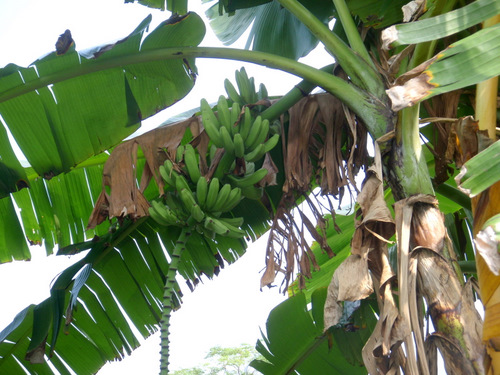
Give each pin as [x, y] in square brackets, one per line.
[226, 311]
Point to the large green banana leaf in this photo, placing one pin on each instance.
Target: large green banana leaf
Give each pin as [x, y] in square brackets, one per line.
[295, 342]
[469, 61]
[122, 275]
[68, 106]
[274, 28]
[443, 25]
[61, 112]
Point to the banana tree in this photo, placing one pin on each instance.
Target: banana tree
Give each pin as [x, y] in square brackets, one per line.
[323, 144]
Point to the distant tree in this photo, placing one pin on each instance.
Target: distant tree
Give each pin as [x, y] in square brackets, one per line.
[225, 361]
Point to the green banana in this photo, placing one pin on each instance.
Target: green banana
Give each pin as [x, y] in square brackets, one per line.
[192, 163]
[223, 228]
[222, 198]
[253, 94]
[205, 107]
[244, 85]
[181, 183]
[216, 226]
[224, 166]
[234, 221]
[271, 143]
[234, 232]
[262, 94]
[227, 141]
[200, 228]
[231, 91]
[179, 154]
[174, 203]
[252, 192]
[264, 131]
[201, 191]
[245, 123]
[187, 199]
[197, 213]
[167, 173]
[213, 192]
[234, 198]
[235, 115]
[248, 180]
[275, 127]
[213, 150]
[162, 214]
[256, 154]
[155, 215]
[223, 113]
[239, 145]
[251, 139]
[210, 123]
[249, 167]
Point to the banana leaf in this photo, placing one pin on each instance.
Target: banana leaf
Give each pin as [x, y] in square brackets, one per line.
[295, 343]
[68, 105]
[103, 299]
[471, 60]
[274, 28]
[480, 172]
[441, 26]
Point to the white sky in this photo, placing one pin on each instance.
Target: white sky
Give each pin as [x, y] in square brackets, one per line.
[227, 311]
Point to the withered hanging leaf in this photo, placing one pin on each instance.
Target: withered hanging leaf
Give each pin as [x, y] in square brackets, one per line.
[345, 287]
[317, 128]
[387, 335]
[119, 175]
[488, 243]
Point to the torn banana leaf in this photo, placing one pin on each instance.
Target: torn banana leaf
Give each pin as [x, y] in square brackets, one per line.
[440, 26]
[480, 172]
[68, 105]
[464, 63]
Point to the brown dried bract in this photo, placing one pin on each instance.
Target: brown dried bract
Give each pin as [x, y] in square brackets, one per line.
[120, 196]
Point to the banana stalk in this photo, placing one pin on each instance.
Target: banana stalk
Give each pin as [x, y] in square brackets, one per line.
[168, 292]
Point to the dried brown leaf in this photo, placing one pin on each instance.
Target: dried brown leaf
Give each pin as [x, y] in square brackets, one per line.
[272, 171]
[488, 246]
[36, 355]
[381, 353]
[351, 282]
[119, 175]
[269, 274]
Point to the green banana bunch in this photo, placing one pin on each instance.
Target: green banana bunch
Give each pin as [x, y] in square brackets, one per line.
[246, 87]
[164, 215]
[254, 142]
[223, 227]
[218, 199]
[247, 183]
[237, 132]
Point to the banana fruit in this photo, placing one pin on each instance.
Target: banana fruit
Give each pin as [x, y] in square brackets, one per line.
[246, 87]
[192, 163]
[163, 215]
[223, 228]
[245, 139]
[210, 123]
[248, 180]
[221, 200]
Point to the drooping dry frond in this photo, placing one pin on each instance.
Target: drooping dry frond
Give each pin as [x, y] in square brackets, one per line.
[325, 145]
[120, 195]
